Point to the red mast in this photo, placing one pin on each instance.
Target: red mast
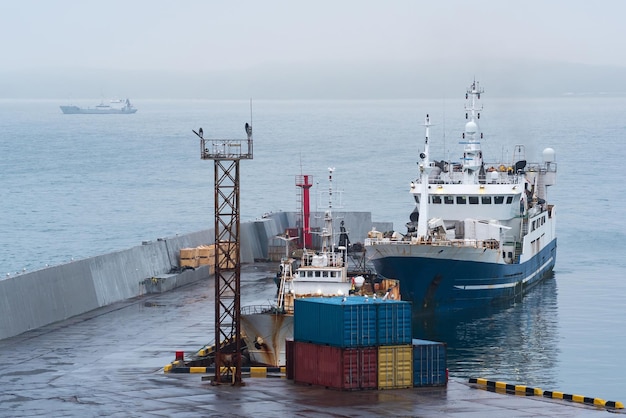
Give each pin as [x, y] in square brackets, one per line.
[305, 183]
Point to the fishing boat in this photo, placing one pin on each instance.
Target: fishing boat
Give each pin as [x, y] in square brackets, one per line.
[117, 106]
[481, 232]
[323, 273]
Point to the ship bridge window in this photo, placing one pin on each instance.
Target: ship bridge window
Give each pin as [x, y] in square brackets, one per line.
[437, 200]
[509, 200]
[486, 200]
[333, 274]
[473, 200]
[317, 274]
[448, 200]
[498, 200]
[461, 200]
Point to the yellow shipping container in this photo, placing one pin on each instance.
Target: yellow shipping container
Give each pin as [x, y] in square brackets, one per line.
[395, 367]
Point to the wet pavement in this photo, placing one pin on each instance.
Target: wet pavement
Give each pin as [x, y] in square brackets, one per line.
[109, 362]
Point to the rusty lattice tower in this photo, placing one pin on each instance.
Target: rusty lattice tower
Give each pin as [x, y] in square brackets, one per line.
[226, 154]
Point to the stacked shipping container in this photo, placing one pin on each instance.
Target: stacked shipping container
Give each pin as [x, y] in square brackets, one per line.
[429, 363]
[335, 367]
[357, 342]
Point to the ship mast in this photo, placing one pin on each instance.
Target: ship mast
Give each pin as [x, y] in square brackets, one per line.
[425, 168]
[472, 154]
[328, 243]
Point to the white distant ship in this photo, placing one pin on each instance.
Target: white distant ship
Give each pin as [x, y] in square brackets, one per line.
[113, 107]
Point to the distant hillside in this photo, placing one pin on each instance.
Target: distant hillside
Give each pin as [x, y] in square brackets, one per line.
[346, 80]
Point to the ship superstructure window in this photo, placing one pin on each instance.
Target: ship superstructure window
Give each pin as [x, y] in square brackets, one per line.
[486, 200]
[448, 200]
[498, 200]
[318, 274]
[437, 200]
[473, 200]
[461, 200]
[509, 200]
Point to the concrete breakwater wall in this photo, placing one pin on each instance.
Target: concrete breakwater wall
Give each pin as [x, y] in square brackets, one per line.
[53, 294]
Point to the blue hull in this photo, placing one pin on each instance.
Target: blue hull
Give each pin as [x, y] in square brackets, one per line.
[435, 285]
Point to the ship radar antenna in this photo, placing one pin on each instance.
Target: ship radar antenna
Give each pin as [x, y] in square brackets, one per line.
[251, 111]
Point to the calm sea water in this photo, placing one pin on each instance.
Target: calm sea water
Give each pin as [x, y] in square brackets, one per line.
[75, 186]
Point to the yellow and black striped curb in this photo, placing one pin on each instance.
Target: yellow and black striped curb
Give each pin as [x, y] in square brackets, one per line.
[490, 384]
[254, 371]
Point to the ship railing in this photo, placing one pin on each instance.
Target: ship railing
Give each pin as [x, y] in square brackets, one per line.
[457, 178]
[235, 149]
[324, 259]
[495, 173]
[473, 243]
[257, 309]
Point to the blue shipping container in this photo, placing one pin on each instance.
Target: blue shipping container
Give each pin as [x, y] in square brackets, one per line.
[393, 322]
[429, 363]
[337, 321]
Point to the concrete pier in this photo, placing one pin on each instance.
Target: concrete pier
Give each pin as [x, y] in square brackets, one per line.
[109, 362]
[43, 297]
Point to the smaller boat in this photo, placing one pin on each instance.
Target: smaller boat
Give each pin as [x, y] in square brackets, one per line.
[113, 107]
[319, 274]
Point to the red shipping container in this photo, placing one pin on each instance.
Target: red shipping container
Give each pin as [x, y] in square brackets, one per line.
[289, 358]
[335, 367]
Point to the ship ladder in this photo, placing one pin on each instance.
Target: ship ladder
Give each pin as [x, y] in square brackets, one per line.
[518, 251]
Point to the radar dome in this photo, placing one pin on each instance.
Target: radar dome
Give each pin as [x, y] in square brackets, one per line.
[471, 127]
[549, 155]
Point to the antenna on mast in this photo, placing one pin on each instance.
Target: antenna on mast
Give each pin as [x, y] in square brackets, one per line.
[250, 110]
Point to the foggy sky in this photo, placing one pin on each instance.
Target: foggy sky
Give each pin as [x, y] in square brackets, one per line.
[297, 49]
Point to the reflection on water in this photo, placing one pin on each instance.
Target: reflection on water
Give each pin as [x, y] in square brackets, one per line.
[515, 343]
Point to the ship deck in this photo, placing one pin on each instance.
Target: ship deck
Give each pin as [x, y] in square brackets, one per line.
[109, 362]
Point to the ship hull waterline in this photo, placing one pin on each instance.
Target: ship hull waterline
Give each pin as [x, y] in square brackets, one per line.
[446, 285]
